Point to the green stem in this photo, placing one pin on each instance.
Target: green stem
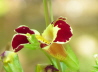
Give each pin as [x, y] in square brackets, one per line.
[59, 66]
[52, 19]
[47, 22]
[51, 10]
[46, 12]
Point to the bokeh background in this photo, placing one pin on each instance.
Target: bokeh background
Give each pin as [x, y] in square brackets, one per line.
[82, 15]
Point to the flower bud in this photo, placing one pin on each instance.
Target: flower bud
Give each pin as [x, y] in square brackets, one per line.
[11, 62]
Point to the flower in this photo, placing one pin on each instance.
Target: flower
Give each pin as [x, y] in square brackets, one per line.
[51, 40]
[20, 38]
[56, 34]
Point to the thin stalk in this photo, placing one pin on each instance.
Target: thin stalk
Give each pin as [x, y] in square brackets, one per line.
[46, 12]
[47, 22]
[51, 10]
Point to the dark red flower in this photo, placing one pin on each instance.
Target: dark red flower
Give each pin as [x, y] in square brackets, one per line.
[20, 38]
[50, 68]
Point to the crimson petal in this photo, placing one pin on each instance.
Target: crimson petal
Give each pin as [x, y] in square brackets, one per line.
[19, 48]
[64, 34]
[17, 40]
[24, 30]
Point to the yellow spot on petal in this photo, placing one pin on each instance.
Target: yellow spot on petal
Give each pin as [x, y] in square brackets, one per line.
[41, 39]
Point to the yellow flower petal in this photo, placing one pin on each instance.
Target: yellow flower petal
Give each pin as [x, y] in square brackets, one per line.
[50, 33]
[56, 50]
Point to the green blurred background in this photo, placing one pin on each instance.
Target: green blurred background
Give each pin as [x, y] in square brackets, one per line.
[82, 15]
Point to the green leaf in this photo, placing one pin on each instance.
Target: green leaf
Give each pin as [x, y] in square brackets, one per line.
[54, 61]
[34, 44]
[71, 60]
[63, 66]
[96, 66]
